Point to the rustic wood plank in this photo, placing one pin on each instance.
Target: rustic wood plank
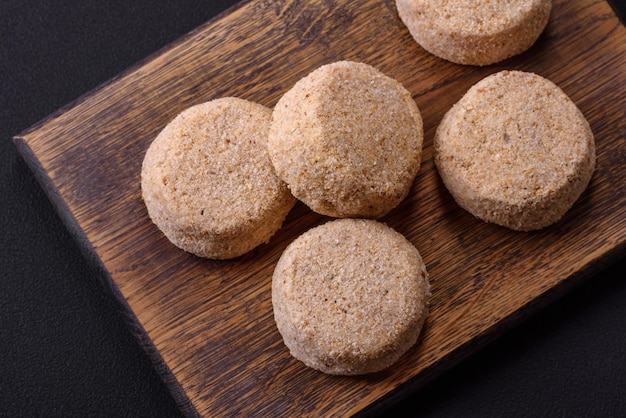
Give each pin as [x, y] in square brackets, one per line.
[209, 324]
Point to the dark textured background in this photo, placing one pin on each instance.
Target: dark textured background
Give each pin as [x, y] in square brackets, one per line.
[66, 352]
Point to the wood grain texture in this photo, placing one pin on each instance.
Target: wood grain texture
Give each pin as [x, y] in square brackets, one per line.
[209, 324]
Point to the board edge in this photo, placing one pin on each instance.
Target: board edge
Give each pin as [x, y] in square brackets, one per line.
[105, 279]
[472, 347]
[127, 71]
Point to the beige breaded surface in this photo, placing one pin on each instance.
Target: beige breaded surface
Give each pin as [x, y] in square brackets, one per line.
[515, 150]
[208, 183]
[475, 32]
[347, 140]
[350, 296]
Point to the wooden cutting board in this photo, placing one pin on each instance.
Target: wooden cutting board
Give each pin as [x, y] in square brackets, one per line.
[208, 325]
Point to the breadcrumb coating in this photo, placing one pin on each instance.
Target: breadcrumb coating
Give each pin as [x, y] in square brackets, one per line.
[515, 150]
[347, 140]
[350, 296]
[475, 32]
[208, 183]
